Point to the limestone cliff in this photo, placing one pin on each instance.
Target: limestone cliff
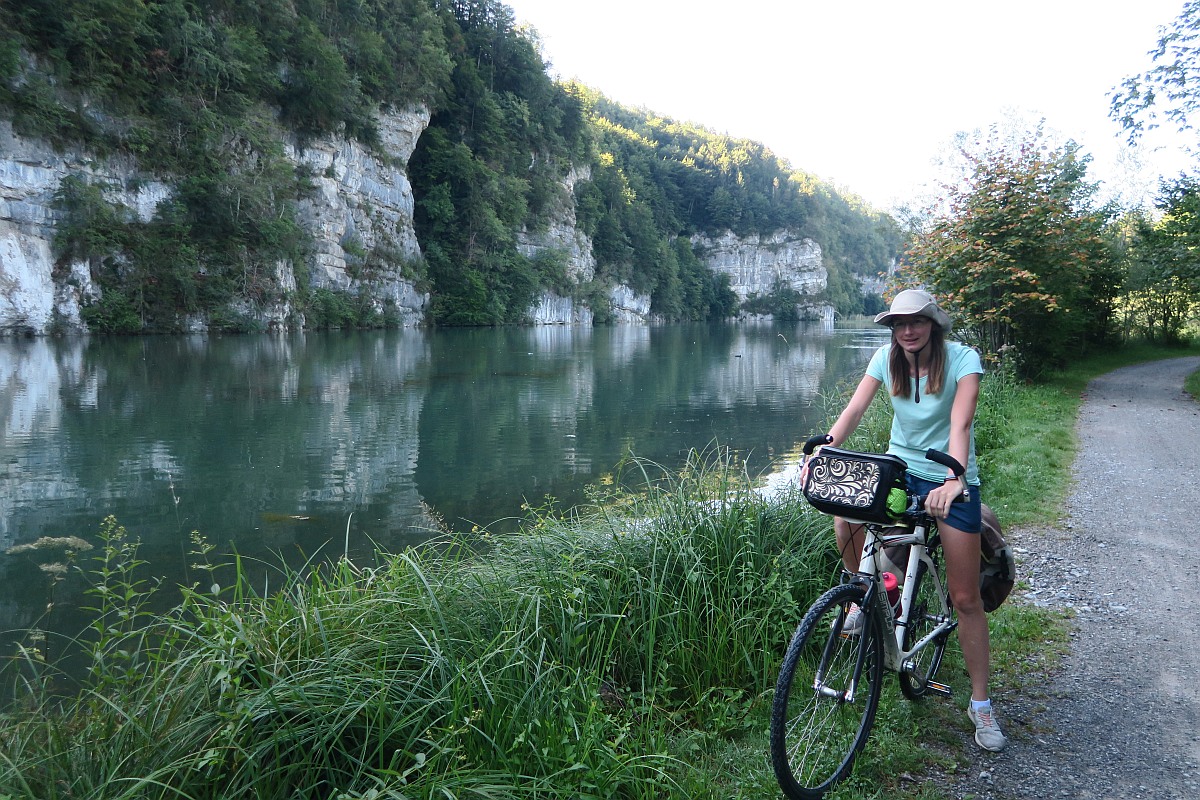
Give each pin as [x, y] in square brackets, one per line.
[756, 265]
[759, 265]
[362, 213]
[360, 218]
[562, 236]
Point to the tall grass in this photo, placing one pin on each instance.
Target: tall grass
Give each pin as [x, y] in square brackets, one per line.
[558, 662]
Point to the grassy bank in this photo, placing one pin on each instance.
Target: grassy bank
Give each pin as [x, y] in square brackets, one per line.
[626, 650]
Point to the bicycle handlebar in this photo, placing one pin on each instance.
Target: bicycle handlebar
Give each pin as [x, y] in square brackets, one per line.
[816, 441]
[946, 460]
[950, 462]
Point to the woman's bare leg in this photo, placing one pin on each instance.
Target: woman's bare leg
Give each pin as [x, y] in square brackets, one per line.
[962, 575]
[850, 542]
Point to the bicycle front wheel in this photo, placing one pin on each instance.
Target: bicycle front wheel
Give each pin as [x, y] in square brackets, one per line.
[824, 703]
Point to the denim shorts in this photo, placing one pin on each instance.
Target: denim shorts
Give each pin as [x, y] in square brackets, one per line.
[963, 515]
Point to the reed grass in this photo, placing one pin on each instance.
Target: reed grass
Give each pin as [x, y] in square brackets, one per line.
[560, 662]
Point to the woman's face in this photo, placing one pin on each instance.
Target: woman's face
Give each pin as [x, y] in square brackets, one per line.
[912, 332]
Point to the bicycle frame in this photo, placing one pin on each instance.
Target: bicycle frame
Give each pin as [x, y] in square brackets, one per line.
[870, 571]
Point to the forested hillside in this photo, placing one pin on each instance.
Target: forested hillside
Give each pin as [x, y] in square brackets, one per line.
[686, 179]
[204, 95]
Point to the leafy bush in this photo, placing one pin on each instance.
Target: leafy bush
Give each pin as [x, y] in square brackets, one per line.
[113, 312]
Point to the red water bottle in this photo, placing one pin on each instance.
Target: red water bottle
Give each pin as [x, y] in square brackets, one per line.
[892, 586]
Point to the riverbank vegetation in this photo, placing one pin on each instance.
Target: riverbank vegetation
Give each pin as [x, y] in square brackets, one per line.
[623, 649]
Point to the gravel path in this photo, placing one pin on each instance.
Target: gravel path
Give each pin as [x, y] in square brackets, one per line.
[1121, 719]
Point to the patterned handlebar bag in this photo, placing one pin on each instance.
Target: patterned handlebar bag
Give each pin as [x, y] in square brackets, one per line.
[864, 487]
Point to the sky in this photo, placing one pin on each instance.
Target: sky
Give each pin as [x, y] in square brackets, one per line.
[868, 95]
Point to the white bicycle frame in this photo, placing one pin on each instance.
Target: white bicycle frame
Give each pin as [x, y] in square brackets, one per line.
[895, 656]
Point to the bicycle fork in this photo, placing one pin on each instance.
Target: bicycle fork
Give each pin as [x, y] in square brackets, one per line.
[834, 641]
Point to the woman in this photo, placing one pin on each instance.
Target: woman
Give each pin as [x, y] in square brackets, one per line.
[934, 388]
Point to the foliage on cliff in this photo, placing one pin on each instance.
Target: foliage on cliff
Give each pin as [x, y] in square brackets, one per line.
[198, 93]
[653, 182]
[202, 95]
[696, 180]
[660, 178]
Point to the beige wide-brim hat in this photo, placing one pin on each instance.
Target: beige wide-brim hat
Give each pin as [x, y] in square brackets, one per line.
[912, 302]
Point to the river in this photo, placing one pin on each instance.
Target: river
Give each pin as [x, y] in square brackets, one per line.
[294, 447]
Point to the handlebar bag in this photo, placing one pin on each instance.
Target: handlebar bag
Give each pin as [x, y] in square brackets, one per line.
[857, 486]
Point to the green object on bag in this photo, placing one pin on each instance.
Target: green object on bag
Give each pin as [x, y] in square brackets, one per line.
[897, 501]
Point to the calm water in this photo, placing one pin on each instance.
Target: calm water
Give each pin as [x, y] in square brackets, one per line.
[297, 446]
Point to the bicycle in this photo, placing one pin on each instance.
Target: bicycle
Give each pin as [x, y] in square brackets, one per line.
[828, 687]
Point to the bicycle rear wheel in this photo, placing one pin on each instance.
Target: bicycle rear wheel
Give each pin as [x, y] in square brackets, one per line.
[922, 667]
[820, 719]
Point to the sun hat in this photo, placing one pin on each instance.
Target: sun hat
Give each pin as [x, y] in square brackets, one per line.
[916, 302]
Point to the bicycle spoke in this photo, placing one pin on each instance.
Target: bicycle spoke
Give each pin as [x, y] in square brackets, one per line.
[815, 736]
[925, 615]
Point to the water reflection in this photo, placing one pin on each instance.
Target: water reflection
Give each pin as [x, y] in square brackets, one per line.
[318, 444]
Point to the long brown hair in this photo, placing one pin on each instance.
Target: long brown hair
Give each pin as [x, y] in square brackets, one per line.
[934, 351]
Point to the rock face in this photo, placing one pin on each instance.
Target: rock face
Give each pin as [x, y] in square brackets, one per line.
[360, 218]
[32, 295]
[563, 237]
[629, 306]
[361, 214]
[553, 309]
[757, 265]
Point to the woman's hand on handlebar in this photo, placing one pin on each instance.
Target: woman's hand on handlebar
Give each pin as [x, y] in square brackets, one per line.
[938, 501]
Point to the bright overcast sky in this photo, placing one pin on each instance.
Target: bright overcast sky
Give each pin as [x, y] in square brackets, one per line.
[863, 94]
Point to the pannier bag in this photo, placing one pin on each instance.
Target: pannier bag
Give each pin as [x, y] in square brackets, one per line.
[997, 564]
[864, 487]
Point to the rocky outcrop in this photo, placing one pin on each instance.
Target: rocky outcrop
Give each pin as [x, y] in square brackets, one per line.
[759, 265]
[360, 218]
[552, 309]
[562, 239]
[629, 306]
[360, 215]
[32, 295]
[561, 234]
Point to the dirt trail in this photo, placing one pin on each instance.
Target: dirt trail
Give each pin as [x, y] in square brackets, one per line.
[1121, 719]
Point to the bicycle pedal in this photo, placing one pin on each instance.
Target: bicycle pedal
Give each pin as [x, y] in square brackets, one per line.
[938, 688]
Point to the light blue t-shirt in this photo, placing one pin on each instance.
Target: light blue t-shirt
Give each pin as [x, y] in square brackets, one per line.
[916, 427]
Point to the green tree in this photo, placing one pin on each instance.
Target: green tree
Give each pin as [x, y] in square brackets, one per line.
[1163, 291]
[1020, 254]
[1170, 90]
[1163, 288]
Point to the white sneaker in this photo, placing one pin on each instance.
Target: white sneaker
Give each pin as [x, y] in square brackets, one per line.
[987, 730]
[854, 621]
